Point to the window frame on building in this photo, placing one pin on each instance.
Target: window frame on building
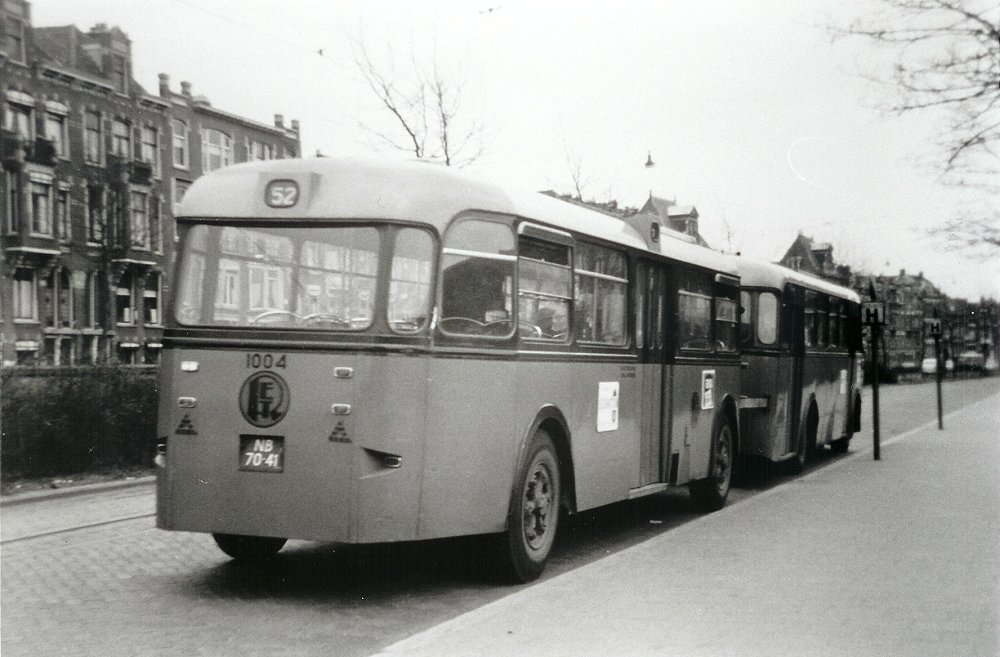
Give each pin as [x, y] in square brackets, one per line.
[40, 206]
[149, 147]
[14, 43]
[139, 225]
[93, 144]
[223, 150]
[57, 128]
[24, 288]
[19, 115]
[121, 138]
[180, 143]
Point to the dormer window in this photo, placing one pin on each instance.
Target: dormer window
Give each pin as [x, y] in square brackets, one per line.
[119, 74]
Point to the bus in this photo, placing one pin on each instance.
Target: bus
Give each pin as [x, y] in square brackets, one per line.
[367, 352]
[800, 339]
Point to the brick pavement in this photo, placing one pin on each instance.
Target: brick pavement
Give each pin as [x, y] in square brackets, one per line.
[861, 558]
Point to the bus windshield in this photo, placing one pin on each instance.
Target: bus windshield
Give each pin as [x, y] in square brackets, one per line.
[319, 277]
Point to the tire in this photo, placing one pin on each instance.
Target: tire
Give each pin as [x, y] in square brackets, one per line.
[840, 445]
[807, 441]
[533, 518]
[709, 494]
[248, 548]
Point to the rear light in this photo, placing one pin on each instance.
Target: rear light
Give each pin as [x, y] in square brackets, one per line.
[160, 460]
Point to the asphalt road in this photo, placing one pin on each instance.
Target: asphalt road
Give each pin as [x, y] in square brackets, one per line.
[90, 574]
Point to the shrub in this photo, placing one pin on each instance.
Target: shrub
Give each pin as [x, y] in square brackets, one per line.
[62, 421]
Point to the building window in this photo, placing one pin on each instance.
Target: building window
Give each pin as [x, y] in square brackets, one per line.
[125, 301]
[121, 139]
[89, 318]
[155, 227]
[62, 218]
[119, 74]
[148, 147]
[216, 150]
[55, 131]
[259, 150]
[139, 220]
[180, 141]
[18, 120]
[41, 208]
[58, 299]
[95, 214]
[92, 137]
[151, 299]
[12, 201]
[25, 295]
[13, 39]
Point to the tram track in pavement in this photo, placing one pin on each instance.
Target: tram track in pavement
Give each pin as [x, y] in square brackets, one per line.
[74, 528]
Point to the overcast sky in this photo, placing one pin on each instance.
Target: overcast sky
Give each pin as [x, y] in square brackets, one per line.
[748, 109]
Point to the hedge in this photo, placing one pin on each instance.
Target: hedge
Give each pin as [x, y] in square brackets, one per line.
[63, 421]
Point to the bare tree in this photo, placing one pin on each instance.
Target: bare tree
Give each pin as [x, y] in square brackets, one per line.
[946, 57]
[429, 118]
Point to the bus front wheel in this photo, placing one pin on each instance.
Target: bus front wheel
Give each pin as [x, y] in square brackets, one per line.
[248, 548]
[709, 494]
[534, 512]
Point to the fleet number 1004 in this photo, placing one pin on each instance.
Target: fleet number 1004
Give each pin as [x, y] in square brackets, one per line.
[265, 361]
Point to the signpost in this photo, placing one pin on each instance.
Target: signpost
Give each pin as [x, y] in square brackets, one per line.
[933, 326]
[873, 315]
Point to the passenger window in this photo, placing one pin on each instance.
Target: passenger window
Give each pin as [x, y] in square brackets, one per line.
[477, 266]
[810, 325]
[834, 323]
[601, 285]
[746, 326]
[767, 318]
[726, 320]
[694, 308]
[822, 321]
[544, 289]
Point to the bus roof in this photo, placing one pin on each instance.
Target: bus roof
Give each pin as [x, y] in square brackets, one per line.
[384, 190]
[760, 273]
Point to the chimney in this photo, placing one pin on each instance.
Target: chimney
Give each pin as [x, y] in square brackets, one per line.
[295, 125]
[902, 273]
[164, 85]
[279, 121]
[186, 89]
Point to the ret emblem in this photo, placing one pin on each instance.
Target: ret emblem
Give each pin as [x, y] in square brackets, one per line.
[264, 399]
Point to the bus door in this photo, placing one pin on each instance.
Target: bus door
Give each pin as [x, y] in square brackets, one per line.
[654, 440]
[794, 310]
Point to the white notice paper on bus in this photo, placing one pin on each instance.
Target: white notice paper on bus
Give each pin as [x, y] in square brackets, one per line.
[607, 406]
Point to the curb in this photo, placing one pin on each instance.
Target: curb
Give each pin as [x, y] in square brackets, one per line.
[71, 491]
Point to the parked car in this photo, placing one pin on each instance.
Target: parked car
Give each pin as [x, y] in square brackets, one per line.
[929, 365]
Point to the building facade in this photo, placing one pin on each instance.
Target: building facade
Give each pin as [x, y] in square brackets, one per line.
[92, 166]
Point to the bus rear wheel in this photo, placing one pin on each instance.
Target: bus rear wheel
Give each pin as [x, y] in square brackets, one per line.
[534, 512]
[709, 494]
[248, 548]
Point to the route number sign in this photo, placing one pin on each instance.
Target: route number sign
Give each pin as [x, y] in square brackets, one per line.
[933, 326]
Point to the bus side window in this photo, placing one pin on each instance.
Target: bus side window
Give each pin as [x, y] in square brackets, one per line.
[545, 289]
[822, 320]
[810, 325]
[726, 319]
[694, 310]
[746, 324]
[835, 340]
[767, 318]
[601, 286]
[477, 274]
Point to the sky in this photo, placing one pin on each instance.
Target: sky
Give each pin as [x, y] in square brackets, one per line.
[748, 109]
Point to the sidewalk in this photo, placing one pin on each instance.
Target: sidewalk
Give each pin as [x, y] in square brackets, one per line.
[862, 558]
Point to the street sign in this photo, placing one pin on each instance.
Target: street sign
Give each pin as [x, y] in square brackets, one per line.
[873, 313]
[933, 326]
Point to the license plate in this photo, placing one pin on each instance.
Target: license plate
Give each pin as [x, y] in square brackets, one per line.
[262, 453]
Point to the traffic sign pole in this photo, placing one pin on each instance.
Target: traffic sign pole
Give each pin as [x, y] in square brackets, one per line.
[937, 376]
[873, 314]
[876, 334]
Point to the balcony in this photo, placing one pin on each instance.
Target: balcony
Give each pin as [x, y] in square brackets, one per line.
[141, 173]
[129, 171]
[42, 151]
